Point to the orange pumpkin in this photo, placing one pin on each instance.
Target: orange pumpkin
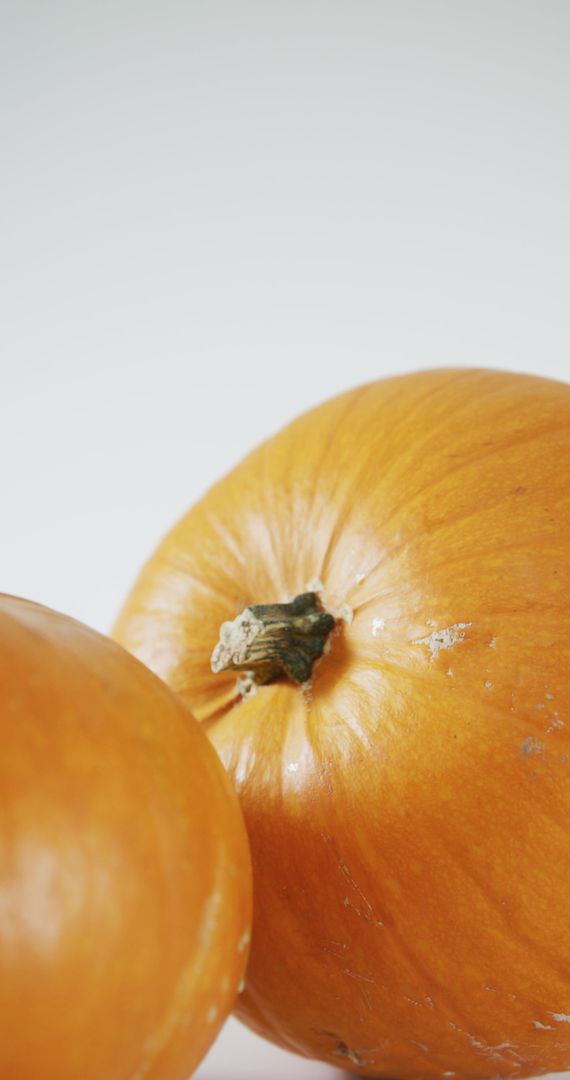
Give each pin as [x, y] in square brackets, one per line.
[408, 805]
[124, 869]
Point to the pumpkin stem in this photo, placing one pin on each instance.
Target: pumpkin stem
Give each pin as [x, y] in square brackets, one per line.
[271, 640]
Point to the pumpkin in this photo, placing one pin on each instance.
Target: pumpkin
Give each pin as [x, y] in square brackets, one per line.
[389, 693]
[124, 868]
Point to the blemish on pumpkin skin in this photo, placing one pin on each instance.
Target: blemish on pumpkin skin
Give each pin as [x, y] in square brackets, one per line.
[355, 1056]
[561, 1018]
[246, 686]
[532, 746]
[444, 639]
[542, 1027]
[212, 1014]
[369, 914]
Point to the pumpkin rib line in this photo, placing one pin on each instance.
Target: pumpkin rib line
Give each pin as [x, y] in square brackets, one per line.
[175, 561]
[505, 917]
[479, 698]
[402, 548]
[433, 484]
[474, 462]
[337, 527]
[531, 608]
[398, 454]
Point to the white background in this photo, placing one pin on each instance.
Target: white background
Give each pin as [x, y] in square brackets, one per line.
[215, 214]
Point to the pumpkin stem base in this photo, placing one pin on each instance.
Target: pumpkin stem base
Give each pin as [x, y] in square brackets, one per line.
[272, 640]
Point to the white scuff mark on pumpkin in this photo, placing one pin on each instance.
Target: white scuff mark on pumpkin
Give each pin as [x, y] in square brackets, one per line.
[421, 1046]
[549, 696]
[484, 1047]
[488, 685]
[307, 692]
[542, 1027]
[315, 586]
[448, 1074]
[429, 1001]
[493, 643]
[478, 1044]
[369, 915]
[356, 975]
[539, 706]
[355, 1056]
[346, 613]
[531, 746]
[561, 1018]
[244, 940]
[326, 944]
[377, 626]
[212, 1014]
[241, 986]
[431, 622]
[449, 673]
[444, 639]
[236, 636]
[246, 685]
[293, 766]
[555, 724]
[491, 989]
[413, 1001]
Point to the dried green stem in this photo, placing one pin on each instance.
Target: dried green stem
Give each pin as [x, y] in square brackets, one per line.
[272, 640]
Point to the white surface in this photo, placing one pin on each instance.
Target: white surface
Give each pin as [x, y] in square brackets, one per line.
[240, 1055]
[215, 214]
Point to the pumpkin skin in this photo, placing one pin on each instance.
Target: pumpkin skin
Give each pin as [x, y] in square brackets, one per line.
[124, 868]
[409, 813]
